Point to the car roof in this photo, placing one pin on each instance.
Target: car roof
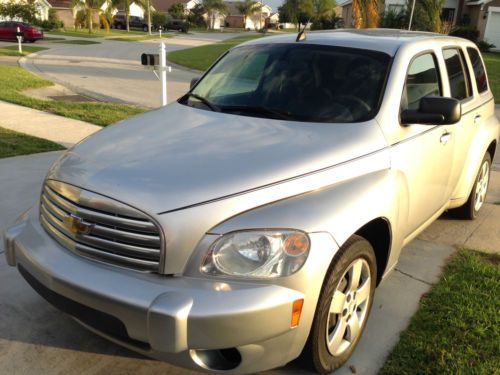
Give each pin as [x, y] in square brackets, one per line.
[383, 40]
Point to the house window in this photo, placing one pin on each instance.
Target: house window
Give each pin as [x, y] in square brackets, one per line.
[448, 14]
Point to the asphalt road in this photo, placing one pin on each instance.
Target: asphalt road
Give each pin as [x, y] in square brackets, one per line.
[112, 71]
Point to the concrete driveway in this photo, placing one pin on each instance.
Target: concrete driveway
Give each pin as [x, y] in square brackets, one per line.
[37, 338]
[111, 70]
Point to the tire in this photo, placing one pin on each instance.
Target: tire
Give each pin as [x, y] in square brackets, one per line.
[333, 338]
[477, 197]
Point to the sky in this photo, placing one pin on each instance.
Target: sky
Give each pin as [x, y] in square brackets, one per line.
[273, 3]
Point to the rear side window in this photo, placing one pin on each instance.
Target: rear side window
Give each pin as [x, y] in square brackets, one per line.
[479, 71]
[455, 65]
[422, 80]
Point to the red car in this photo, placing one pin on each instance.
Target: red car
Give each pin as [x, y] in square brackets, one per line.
[8, 31]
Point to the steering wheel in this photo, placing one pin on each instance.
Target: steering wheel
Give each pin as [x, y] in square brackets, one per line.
[354, 100]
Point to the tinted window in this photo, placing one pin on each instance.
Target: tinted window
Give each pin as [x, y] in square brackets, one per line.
[302, 82]
[422, 80]
[456, 74]
[479, 71]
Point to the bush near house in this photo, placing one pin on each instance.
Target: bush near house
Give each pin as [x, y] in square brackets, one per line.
[52, 23]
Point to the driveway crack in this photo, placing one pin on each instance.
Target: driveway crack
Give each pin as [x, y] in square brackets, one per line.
[413, 277]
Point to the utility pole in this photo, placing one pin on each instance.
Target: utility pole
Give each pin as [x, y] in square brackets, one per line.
[411, 14]
[149, 16]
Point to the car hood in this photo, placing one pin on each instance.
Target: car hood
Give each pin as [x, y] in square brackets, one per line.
[178, 156]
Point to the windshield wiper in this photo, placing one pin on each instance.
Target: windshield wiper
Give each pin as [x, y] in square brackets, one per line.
[205, 101]
[276, 113]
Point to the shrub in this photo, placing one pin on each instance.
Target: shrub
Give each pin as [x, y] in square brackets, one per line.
[467, 32]
[158, 19]
[327, 23]
[484, 46]
[392, 19]
[52, 23]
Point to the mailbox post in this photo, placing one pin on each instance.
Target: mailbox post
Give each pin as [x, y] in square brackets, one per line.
[159, 63]
[19, 36]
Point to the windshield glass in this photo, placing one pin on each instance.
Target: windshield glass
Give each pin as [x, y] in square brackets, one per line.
[310, 83]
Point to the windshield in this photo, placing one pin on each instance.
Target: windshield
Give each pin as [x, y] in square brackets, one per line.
[309, 83]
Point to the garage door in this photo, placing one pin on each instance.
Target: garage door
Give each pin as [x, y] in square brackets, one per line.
[492, 31]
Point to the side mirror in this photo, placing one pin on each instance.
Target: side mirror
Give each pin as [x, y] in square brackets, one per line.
[434, 110]
[194, 81]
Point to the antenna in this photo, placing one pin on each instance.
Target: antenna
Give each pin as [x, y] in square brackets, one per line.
[302, 34]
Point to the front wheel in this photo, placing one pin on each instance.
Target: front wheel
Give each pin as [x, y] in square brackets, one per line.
[343, 307]
[477, 196]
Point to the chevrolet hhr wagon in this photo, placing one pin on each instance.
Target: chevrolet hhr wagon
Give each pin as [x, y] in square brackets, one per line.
[248, 223]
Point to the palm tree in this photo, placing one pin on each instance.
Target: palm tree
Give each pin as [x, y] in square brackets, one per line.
[125, 4]
[365, 13]
[248, 8]
[89, 7]
[146, 6]
[213, 7]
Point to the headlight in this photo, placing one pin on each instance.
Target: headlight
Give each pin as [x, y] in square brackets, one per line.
[257, 253]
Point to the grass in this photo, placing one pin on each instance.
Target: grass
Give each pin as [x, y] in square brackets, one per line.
[14, 144]
[13, 50]
[492, 61]
[457, 328]
[77, 41]
[202, 57]
[15, 80]
[137, 38]
[101, 33]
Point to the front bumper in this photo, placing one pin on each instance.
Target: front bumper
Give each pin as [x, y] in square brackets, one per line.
[183, 320]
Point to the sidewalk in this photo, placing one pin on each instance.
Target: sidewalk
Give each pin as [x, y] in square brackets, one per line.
[62, 130]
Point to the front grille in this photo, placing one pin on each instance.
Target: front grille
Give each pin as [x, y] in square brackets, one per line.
[113, 232]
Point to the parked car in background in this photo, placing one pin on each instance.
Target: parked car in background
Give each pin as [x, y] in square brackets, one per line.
[119, 22]
[8, 30]
[177, 25]
[249, 222]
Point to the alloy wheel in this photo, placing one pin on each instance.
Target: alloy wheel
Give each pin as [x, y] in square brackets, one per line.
[349, 307]
[482, 186]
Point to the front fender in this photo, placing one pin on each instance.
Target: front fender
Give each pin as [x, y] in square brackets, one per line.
[340, 209]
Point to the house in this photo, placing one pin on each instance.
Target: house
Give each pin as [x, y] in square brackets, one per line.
[43, 7]
[63, 11]
[484, 15]
[257, 21]
[164, 5]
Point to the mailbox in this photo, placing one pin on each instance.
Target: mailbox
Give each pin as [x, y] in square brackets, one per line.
[150, 59]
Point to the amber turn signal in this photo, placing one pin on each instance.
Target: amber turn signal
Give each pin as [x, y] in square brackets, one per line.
[296, 311]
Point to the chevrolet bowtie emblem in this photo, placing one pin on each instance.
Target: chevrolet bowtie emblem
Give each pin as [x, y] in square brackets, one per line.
[76, 225]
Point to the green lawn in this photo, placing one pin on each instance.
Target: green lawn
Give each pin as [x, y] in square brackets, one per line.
[137, 38]
[13, 50]
[113, 33]
[202, 57]
[457, 328]
[76, 41]
[13, 144]
[492, 61]
[15, 79]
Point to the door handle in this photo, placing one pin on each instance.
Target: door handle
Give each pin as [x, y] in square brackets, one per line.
[445, 138]
[477, 118]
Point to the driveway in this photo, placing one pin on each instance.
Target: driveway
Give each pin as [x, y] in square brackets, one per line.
[112, 71]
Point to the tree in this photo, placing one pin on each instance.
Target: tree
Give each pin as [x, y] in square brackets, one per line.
[296, 11]
[427, 15]
[177, 11]
[365, 13]
[88, 7]
[213, 8]
[248, 8]
[25, 10]
[195, 15]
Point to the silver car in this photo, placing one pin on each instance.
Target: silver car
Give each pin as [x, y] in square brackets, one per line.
[248, 223]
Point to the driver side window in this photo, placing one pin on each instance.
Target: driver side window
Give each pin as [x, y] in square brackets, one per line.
[422, 80]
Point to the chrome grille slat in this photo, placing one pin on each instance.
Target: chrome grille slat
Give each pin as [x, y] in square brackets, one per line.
[96, 254]
[148, 240]
[97, 217]
[133, 241]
